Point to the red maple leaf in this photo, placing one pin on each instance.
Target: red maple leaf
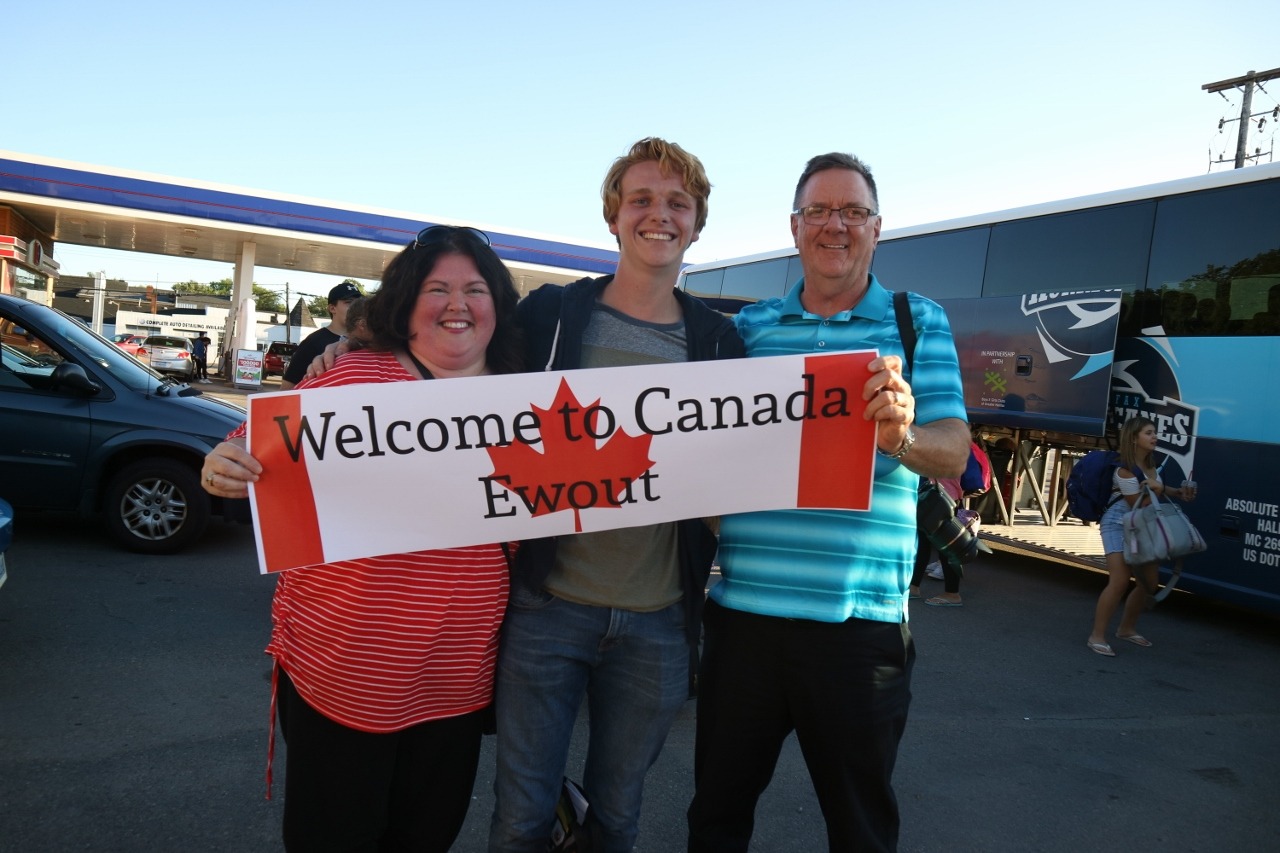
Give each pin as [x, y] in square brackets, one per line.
[571, 472]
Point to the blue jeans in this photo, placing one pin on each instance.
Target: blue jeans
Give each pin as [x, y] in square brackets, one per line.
[633, 669]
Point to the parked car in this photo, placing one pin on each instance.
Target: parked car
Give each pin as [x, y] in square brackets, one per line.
[6, 536]
[130, 343]
[169, 354]
[276, 359]
[86, 430]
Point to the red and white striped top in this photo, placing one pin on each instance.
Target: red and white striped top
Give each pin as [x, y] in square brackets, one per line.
[384, 643]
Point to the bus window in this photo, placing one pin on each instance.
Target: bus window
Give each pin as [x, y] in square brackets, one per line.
[946, 265]
[795, 271]
[1095, 249]
[753, 282]
[704, 285]
[1221, 247]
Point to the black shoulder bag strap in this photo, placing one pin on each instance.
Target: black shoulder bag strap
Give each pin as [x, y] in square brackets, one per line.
[906, 326]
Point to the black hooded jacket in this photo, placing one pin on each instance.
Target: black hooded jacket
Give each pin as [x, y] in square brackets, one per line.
[553, 320]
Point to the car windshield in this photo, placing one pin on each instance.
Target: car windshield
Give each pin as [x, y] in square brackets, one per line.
[105, 354]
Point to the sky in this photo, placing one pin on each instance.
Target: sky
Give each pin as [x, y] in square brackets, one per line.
[508, 113]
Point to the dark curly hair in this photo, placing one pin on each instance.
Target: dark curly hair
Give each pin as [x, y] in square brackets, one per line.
[390, 308]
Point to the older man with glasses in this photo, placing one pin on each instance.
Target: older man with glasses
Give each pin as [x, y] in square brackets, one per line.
[807, 630]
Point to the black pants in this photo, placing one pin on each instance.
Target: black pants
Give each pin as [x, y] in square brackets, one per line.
[347, 790]
[844, 688]
[951, 570]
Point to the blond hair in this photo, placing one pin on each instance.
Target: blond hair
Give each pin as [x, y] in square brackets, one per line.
[671, 160]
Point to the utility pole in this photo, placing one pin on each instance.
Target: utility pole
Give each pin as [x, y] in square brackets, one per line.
[288, 316]
[1247, 83]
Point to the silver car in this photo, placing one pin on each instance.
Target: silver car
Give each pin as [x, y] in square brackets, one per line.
[169, 354]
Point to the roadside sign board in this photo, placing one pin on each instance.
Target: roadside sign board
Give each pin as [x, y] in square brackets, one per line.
[248, 368]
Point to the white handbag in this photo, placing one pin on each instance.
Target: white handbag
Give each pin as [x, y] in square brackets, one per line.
[1159, 531]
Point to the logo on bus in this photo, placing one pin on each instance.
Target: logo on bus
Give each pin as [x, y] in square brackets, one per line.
[1068, 326]
[1144, 382]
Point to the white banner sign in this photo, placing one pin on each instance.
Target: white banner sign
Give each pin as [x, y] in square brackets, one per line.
[364, 470]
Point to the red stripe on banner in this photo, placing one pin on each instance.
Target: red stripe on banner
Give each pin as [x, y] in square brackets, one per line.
[837, 454]
[283, 501]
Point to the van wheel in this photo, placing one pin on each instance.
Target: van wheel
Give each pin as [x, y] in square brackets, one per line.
[156, 506]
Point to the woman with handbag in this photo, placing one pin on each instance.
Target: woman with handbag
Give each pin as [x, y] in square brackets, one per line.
[1137, 469]
[951, 564]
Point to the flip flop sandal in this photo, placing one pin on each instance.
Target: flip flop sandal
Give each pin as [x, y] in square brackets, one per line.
[938, 601]
[1101, 649]
[1136, 639]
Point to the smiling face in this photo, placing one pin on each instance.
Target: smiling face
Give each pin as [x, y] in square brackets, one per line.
[836, 257]
[453, 318]
[656, 219]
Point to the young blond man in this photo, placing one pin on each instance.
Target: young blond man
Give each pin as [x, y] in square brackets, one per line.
[612, 617]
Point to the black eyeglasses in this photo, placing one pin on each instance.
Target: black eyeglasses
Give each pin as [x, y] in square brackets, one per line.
[816, 214]
[433, 233]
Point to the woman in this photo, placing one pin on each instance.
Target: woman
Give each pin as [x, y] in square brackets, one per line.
[1138, 441]
[384, 666]
[951, 566]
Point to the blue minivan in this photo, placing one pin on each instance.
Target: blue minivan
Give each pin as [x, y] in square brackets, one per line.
[85, 428]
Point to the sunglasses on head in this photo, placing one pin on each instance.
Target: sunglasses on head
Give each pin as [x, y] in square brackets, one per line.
[435, 233]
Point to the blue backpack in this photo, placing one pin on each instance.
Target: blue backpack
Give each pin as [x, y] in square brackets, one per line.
[1090, 483]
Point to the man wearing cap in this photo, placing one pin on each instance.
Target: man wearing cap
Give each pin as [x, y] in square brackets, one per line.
[340, 299]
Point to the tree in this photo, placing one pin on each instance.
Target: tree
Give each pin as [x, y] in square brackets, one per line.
[267, 300]
[193, 287]
[264, 299]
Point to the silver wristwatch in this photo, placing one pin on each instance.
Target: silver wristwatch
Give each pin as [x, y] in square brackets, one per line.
[908, 441]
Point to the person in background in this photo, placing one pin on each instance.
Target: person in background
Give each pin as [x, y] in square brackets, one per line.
[358, 334]
[1267, 322]
[951, 568]
[200, 357]
[807, 631]
[384, 665]
[340, 299]
[1138, 440]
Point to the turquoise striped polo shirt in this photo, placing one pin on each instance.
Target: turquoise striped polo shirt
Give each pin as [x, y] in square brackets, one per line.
[833, 565]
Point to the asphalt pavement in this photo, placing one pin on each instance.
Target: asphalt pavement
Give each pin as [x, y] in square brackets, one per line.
[134, 716]
[224, 390]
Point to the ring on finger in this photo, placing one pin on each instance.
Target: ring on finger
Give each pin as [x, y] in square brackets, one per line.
[210, 478]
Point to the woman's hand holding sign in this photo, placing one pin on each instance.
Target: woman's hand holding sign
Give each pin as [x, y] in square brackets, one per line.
[229, 469]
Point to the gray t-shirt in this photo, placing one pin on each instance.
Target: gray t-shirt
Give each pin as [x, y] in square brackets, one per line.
[634, 568]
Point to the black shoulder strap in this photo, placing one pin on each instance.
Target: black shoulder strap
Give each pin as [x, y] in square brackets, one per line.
[906, 326]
